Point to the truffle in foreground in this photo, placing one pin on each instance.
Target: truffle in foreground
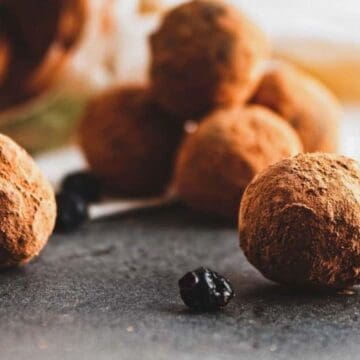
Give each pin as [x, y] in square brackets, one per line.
[27, 206]
[129, 143]
[300, 222]
[205, 54]
[218, 161]
[205, 290]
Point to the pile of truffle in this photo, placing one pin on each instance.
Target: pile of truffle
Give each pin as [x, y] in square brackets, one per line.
[215, 113]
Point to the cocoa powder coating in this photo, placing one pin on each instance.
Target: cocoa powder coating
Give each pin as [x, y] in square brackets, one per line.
[205, 54]
[310, 108]
[129, 143]
[27, 206]
[217, 162]
[300, 222]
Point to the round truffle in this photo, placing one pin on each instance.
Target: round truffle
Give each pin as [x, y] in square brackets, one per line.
[27, 206]
[300, 222]
[128, 142]
[217, 161]
[205, 54]
[310, 108]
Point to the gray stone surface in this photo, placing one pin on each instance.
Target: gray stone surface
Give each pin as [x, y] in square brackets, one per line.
[110, 291]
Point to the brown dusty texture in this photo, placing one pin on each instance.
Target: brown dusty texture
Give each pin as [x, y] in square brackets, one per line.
[205, 54]
[39, 36]
[310, 107]
[217, 162]
[300, 222]
[128, 142]
[27, 206]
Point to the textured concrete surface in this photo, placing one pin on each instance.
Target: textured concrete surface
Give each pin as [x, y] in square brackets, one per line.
[110, 291]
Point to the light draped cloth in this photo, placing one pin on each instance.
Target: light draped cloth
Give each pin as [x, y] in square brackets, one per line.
[322, 36]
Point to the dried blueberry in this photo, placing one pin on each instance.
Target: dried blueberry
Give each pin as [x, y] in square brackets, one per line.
[205, 290]
[72, 212]
[83, 184]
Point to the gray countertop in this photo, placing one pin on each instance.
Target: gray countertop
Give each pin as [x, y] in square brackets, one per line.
[109, 291]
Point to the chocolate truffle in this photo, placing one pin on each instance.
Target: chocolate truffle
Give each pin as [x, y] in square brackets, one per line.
[128, 142]
[311, 109]
[217, 161]
[205, 54]
[27, 206]
[300, 222]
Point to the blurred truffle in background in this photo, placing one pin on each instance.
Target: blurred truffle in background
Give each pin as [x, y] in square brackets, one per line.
[49, 68]
[230, 146]
[35, 54]
[205, 54]
[309, 107]
[129, 143]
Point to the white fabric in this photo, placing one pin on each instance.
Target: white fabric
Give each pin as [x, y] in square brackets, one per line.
[314, 31]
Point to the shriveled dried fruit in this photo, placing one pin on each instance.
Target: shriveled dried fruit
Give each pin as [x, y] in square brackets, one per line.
[205, 290]
[72, 212]
[83, 184]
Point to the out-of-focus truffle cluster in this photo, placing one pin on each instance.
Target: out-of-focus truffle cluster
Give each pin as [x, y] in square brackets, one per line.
[209, 67]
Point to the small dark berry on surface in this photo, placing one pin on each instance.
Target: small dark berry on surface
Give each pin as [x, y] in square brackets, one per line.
[205, 290]
[72, 212]
[83, 184]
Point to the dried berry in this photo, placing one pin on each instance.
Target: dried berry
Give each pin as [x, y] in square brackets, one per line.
[205, 290]
[72, 212]
[83, 184]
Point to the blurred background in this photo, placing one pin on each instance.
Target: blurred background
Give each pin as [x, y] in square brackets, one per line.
[84, 46]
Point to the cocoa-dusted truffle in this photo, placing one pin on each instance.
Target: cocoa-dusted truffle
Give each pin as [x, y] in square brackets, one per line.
[205, 54]
[27, 206]
[129, 143]
[217, 162]
[300, 222]
[310, 107]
